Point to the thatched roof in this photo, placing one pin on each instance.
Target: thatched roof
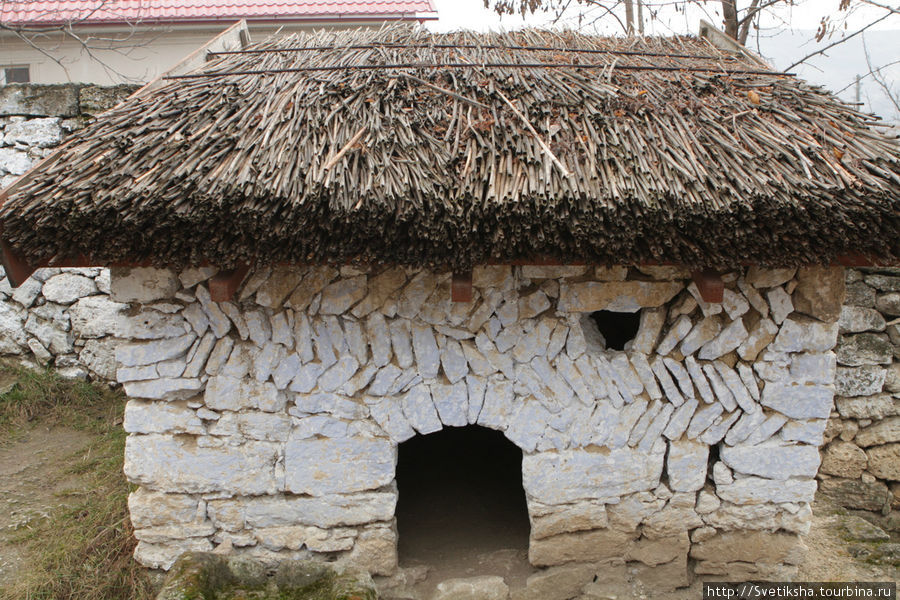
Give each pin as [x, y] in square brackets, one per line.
[605, 150]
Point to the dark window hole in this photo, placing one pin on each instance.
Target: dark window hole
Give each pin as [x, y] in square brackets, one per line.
[617, 328]
[461, 496]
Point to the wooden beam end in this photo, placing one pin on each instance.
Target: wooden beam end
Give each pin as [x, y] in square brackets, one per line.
[710, 285]
[461, 287]
[17, 269]
[224, 284]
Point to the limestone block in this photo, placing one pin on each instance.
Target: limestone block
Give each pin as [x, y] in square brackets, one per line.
[703, 418]
[52, 337]
[865, 349]
[547, 520]
[338, 466]
[799, 401]
[296, 537]
[388, 413]
[485, 587]
[153, 509]
[756, 490]
[419, 410]
[498, 403]
[161, 417]
[230, 393]
[874, 407]
[820, 292]
[808, 432]
[100, 357]
[680, 419]
[552, 271]
[180, 464]
[451, 402]
[570, 475]
[218, 320]
[773, 423]
[39, 133]
[703, 332]
[772, 460]
[734, 304]
[142, 284]
[278, 286]
[375, 551]
[843, 459]
[625, 296]
[677, 332]
[338, 374]
[584, 546]
[866, 380]
[686, 465]
[416, 293]
[888, 304]
[145, 353]
[714, 434]
[799, 334]
[66, 288]
[193, 275]
[340, 296]
[732, 336]
[754, 297]
[219, 355]
[857, 319]
[152, 325]
[859, 294]
[751, 547]
[193, 313]
[884, 461]
[632, 510]
[665, 381]
[14, 162]
[760, 277]
[558, 583]
[28, 292]
[764, 517]
[652, 320]
[163, 556]
[722, 392]
[654, 552]
[881, 432]
[736, 386]
[856, 493]
[164, 388]
[780, 304]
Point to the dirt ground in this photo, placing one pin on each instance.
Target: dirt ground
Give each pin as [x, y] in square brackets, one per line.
[32, 484]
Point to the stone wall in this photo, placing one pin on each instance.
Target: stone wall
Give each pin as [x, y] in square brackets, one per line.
[61, 318]
[861, 463]
[271, 423]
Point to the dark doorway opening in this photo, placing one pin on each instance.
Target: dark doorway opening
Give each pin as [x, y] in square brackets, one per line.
[461, 497]
[617, 328]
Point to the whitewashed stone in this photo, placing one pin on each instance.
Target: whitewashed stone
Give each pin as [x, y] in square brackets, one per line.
[772, 460]
[716, 432]
[702, 333]
[625, 296]
[680, 419]
[799, 401]
[571, 475]
[66, 288]
[681, 376]
[642, 368]
[746, 425]
[178, 464]
[100, 357]
[338, 374]
[451, 402]
[161, 417]
[95, 317]
[142, 284]
[145, 353]
[681, 328]
[341, 295]
[734, 304]
[859, 381]
[454, 361]
[799, 334]
[497, 406]
[699, 379]
[808, 432]
[652, 320]
[769, 428]
[756, 490]
[665, 381]
[702, 419]
[813, 367]
[338, 466]
[419, 410]
[732, 336]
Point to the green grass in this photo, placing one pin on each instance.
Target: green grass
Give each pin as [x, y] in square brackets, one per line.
[83, 550]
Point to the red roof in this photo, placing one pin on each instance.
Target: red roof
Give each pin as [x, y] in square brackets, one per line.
[47, 12]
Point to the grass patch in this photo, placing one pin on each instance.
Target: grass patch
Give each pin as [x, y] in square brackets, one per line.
[84, 549]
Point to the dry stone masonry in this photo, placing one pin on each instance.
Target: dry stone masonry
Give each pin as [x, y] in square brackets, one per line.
[271, 423]
[861, 462]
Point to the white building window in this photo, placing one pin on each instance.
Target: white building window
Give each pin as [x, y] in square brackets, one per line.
[15, 74]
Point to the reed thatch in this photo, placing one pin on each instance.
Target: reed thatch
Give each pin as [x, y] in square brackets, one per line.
[621, 151]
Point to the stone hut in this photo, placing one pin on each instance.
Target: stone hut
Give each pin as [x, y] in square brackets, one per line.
[627, 257]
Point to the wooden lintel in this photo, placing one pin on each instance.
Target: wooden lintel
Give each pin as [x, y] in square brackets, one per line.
[17, 270]
[710, 285]
[461, 287]
[223, 285]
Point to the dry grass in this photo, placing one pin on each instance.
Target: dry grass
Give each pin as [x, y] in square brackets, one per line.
[84, 550]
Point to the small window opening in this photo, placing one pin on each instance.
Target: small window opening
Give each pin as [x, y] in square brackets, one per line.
[16, 74]
[617, 328]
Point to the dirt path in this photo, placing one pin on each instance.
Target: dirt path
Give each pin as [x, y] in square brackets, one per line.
[32, 484]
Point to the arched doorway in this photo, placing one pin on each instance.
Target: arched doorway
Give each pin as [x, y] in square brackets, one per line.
[461, 496]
